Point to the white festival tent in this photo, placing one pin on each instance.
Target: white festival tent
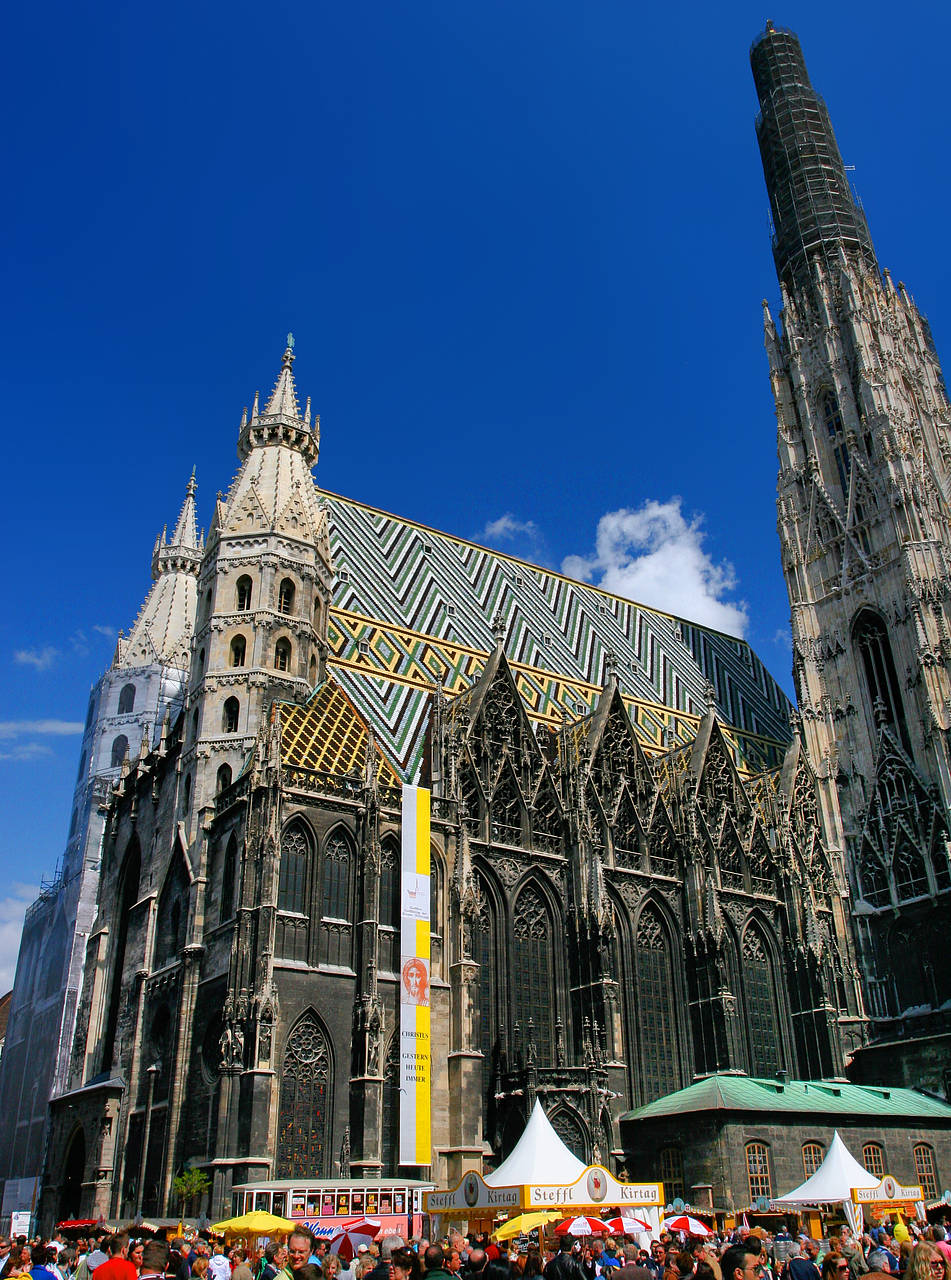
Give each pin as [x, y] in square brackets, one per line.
[538, 1156]
[832, 1183]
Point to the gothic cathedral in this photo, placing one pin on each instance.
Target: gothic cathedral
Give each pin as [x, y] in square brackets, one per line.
[647, 867]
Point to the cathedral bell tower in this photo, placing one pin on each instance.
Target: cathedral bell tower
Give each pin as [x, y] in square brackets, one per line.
[864, 497]
[263, 591]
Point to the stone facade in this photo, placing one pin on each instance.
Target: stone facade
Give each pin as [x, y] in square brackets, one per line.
[863, 502]
[604, 905]
[126, 709]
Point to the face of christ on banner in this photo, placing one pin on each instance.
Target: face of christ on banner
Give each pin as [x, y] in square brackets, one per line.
[415, 982]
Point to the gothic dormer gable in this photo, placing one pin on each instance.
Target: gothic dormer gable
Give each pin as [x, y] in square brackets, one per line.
[616, 754]
[507, 806]
[492, 719]
[904, 844]
[718, 789]
[547, 815]
[630, 838]
[663, 847]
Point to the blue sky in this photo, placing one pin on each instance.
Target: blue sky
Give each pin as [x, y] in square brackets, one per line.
[522, 248]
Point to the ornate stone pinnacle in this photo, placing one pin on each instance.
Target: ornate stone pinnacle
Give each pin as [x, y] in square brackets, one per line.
[499, 627]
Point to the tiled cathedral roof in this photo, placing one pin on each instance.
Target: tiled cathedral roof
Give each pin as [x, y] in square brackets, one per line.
[329, 735]
[413, 607]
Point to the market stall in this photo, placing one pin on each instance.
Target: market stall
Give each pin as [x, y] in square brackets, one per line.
[542, 1174]
[831, 1186]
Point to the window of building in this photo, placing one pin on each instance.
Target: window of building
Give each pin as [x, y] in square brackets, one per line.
[126, 699]
[873, 1157]
[224, 778]
[390, 885]
[82, 766]
[74, 823]
[832, 418]
[759, 984]
[120, 749]
[336, 878]
[812, 1156]
[238, 649]
[194, 724]
[282, 655]
[306, 1086]
[229, 716]
[672, 1172]
[243, 593]
[925, 1171]
[228, 879]
[285, 596]
[656, 1012]
[757, 1169]
[533, 980]
[870, 638]
[313, 669]
[295, 858]
[187, 794]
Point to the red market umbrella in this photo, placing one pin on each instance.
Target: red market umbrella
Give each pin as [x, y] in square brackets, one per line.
[628, 1225]
[683, 1222]
[352, 1234]
[582, 1226]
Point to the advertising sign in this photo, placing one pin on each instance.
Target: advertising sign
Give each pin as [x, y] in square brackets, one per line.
[472, 1192]
[415, 1051]
[595, 1187]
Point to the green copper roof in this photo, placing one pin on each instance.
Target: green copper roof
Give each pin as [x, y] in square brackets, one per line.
[830, 1097]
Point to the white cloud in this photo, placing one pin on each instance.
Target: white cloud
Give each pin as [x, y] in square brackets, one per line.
[654, 555]
[42, 659]
[58, 728]
[108, 632]
[12, 907]
[11, 730]
[507, 527]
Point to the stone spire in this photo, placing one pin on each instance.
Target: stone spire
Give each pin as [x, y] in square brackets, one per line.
[282, 422]
[162, 632]
[813, 209]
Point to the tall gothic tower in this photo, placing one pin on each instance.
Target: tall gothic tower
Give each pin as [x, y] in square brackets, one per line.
[263, 592]
[863, 515]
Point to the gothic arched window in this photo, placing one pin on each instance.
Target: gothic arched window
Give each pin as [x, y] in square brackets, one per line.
[870, 638]
[533, 984]
[126, 896]
[572, 1131]
[303, 1111]
[485, 951]
[229, 716]
[126, 699]
[911, 878]
[282, 655]
[292, 935]
[228, 876]
[242, 593]
[238, 650]
[120, 749]
[390, 884]
[873, 1157]
[169, 922]
[759, 987]
[224, 778]
[389, 1137]
[832, 417]
[285, 596]
[338, 857]
[656, 1008]
[812, 1157]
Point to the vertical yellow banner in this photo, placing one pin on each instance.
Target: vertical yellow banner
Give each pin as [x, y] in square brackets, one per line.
[415, 1048]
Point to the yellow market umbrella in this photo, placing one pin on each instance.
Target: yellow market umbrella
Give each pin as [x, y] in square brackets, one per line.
[523, 1222]
[257, 1223]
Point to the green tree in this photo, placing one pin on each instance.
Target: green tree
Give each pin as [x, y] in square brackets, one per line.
[189, 1185]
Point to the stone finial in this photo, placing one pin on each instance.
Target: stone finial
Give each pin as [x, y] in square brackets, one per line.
[499, 628]
[709, 696]
[610, 666]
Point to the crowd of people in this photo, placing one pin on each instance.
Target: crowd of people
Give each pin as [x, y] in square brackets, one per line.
[912, 1253]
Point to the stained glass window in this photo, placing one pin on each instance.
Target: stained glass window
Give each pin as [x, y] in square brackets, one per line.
[757, 1168]
[925, 1171]
[532, 978]
[336, 878]
[873, 1157]
[389, 885]
[302, 1115]
[389, 1138]
[812, 1156]
[760, 992]
[656, 1018]
[870, 638]
[485, 951]
[295, 856]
